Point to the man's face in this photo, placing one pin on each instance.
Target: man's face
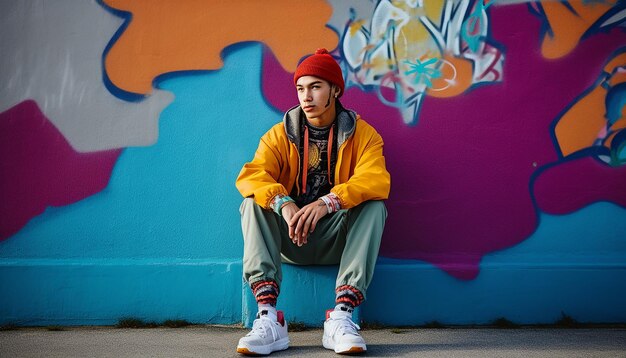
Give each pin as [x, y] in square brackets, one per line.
[316, 96]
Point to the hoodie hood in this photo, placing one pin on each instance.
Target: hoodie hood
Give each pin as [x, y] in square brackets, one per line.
[346, 123]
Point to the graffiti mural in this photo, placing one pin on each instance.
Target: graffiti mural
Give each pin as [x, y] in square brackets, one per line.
[418, 48]
[67, 82]
[597, 119]
[41, 169]
[566, 23]
[62, 129]
[197, 42]
[589, 133]
[465, 169]
[487, 109]
[98, 90]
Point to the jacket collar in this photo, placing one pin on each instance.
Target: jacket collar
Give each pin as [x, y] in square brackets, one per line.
[346, 123]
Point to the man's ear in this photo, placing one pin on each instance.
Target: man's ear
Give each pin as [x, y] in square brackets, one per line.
[336, 90]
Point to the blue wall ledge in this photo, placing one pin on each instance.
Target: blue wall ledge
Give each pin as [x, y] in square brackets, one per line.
[40, 292]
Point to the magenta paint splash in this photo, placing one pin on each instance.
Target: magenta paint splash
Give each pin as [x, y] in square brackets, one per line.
[461, 177]
[573, 184]
[39, 168]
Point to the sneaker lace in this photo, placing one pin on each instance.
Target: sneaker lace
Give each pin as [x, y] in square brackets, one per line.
[345, 326]
[262, 325]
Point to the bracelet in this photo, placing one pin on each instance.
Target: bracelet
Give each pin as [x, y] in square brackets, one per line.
[327, 203]
[332, 202]
[280, 202]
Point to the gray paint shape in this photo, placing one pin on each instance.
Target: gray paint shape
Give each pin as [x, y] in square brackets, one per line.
[342, 10]
[51, 52]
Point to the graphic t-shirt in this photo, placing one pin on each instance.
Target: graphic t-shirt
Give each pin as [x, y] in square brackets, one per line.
[317, 184]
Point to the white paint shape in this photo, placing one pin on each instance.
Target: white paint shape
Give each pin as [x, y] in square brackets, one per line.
[51, 52]
[616, 19]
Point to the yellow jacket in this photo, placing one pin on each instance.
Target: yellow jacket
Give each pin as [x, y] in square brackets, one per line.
[360, 172]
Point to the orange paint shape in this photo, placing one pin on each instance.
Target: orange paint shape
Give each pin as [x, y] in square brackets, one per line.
[169, 35]
[568, 27]
[580, 125]
[458, 68]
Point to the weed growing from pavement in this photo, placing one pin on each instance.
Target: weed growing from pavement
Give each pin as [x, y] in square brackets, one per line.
[177, 323]
[398, 330]
[297, 327]
[135, 323]
[372, 325]
[55, 328]
[434, 324]
[9, 327]
[567, 322]
[131, 322]
[504, 323]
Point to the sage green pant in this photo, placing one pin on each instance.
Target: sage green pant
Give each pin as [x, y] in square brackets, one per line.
[350, 238]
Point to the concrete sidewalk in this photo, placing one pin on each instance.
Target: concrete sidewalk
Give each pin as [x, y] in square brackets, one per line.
[211, 341]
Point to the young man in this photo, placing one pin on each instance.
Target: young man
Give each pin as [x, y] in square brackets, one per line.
[313, 195]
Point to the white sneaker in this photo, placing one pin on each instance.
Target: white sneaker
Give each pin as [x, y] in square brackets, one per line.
[341, 334]
[268, 334]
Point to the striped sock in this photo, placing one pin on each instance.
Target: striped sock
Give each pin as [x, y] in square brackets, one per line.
[265, 292]
[347, 298]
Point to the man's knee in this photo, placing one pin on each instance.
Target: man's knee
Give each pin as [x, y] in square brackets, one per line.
[247, 204]
[375, 206]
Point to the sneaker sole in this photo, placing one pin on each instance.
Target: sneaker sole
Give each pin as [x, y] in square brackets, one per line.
[345, 349]
[353, 350]
[247, 352]
[263, 351]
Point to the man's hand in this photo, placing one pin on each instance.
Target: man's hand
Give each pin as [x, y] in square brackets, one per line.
[304, 221]
[288, 211]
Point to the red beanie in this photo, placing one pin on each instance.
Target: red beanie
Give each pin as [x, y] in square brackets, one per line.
[321, 65]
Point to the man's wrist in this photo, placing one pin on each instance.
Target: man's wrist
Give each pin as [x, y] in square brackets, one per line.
[332, 202]
[279, 202]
